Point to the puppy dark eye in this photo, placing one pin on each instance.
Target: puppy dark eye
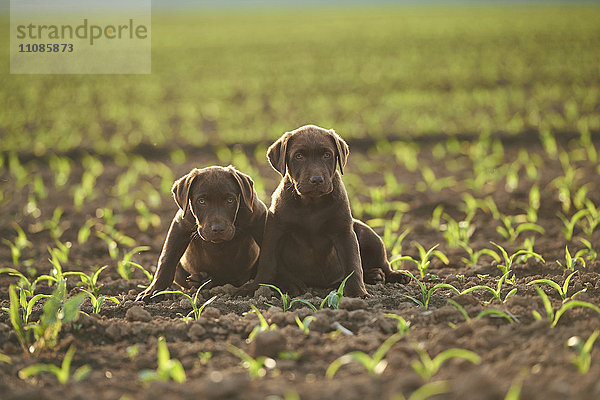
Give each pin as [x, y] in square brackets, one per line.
[327, 155]
[299, 156]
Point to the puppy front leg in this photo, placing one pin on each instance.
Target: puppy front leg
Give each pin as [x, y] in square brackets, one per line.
[177, 241]
[346, 247]
[267, 261]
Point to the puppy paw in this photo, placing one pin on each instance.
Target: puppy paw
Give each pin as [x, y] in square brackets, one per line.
[146, 294]
[373, 276]
[397, 277]
[246, 290]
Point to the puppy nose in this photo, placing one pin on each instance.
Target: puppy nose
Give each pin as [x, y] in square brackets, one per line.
[316, 180]
[217, 228]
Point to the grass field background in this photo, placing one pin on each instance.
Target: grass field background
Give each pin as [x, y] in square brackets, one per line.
[223, 77]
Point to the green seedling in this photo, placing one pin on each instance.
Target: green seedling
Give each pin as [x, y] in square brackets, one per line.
[553, 316]
[124, 267]
[21, 242]
[54, 225]
[436, 217]
[17, 320]
[85, 231]
[592, 217]
[427, 367]
[303, 324]
[5, 359]
[113, 249]
[257, 367]
[286, 303]
[375, 364]
[514, 391]
[90, 281]
[18, 170]
[98, 301]
[497, 292]
[482, 314]
[332, 300]
[27, 286]
[588, 251]
[425, 293]
[27, 305]
[58, 310]
[511, 233]
[424, 260]
[433, 183]
[509, 260]
[167, 368]
[62, 373]
[61, 166]
[534, 204]
[562, 290]
[457, 233]
[426, 391]
[583, 359]
[403, 326]
[473, 256]
[570, 261]
[262, 326]
[204, 357]
[132, 351]
[196, 309]
[569, 224]
[145, 219]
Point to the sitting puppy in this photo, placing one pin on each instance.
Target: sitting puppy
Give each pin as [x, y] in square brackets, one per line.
[310, 236]
[217, 230]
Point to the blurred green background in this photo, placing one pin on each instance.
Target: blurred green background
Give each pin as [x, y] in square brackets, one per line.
[234, 76]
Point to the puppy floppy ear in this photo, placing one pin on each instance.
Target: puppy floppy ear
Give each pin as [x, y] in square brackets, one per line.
[181, 189]
[246, 185]
[342, 150]
[277, 153]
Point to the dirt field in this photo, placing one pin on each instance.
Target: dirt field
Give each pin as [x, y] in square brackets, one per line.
[526, 351]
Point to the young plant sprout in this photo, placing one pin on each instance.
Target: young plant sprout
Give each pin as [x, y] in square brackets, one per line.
[21, 242]
[562, 290]
[583, 359]
[424, 258]
[493, 312]
[262, 326]
[332, 300]
[257, 367]
[98, 301]
[167, 368]
[124, 267]
[427, 367]
[303, 324]
[62, 373]
[570, 261]
[552, 315]
[286, 303]
[509, 260]
[425, 293]
[196, 309]
[497, 292]
[375, 364]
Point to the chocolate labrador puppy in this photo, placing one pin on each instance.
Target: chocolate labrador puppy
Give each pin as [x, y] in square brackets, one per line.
[217, 230]
[310, 237]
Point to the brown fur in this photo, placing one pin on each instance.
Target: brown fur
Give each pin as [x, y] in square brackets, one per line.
[311, 238]
[216, 232]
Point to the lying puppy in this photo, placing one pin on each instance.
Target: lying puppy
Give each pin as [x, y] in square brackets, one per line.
[217, 230]
[311, 238]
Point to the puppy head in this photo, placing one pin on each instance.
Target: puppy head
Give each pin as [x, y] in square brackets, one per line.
[214, 196]
[308, 155]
